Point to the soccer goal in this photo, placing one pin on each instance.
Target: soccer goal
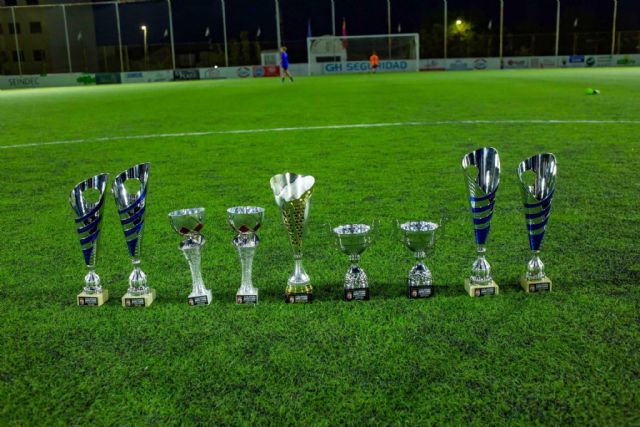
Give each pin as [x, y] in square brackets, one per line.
[350, 54]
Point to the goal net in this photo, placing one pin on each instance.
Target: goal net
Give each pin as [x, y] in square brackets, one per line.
[350, 54]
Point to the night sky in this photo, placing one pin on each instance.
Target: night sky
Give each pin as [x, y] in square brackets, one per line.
[191, 17]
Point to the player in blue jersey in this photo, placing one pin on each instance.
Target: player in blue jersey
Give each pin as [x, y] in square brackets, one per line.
[284, 64]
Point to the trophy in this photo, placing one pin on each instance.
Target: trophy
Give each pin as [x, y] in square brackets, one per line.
[246, 220]
[419, 236]
[130, 191]
[188, 223]
[482, 172]
[353, 240]
[537, 193]
[87, 202]
[293, 194]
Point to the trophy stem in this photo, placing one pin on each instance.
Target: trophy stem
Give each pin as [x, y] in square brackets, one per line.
[137, 279]
[92, 281]
[246, 243]
[481, 270]
[535, 267]
[299, 280]
[191, 252]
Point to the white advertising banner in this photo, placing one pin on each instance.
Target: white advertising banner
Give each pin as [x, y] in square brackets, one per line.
[147, 76]
[47, 80]
[364, 66]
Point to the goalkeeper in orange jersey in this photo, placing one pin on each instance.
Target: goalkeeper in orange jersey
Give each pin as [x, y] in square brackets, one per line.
[373, 61]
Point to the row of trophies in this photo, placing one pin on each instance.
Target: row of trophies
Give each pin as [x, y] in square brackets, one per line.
[292, 192]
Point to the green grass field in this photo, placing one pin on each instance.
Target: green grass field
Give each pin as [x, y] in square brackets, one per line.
[569, 357]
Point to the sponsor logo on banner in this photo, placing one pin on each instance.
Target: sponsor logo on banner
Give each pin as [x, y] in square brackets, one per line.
[480, 64]
[591, 61]
[432, 65]
[543, 62]
[31, 81]
[186, 74]
[244, 72]
[626, 60]
[363, 66]
[604, 61]
[108, 78]
[266, 71]
[576, 59]
[211, 73]
[86, 79]
[459, 65]
[516, 63]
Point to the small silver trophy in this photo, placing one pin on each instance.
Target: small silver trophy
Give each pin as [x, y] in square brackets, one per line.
[481, 169]
[419, 237]
[293, 195]
[188, 223]
[130, 192]
[353, 240]
[537, 192]
[245, 221]
[87, 202]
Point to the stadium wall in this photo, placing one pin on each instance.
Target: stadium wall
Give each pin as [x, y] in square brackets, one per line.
[258, 71]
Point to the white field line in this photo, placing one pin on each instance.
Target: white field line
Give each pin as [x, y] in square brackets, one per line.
[324, 127]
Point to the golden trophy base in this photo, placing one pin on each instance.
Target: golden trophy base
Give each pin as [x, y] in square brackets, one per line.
[96, 300]
[481, 290]
[532, 286]
[129, 300]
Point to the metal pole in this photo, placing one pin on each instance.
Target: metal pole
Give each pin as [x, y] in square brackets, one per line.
[613, 31]
[501, 26]
[333, 18]
[15, 36]
[278, 24]
[146, 50]
[173, 48]
[557, 27]
[66, 36]
[445, 29]
[389, 25]
[224, 33]
[119, 37]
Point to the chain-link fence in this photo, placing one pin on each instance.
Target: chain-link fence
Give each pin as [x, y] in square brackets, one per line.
[137, 35]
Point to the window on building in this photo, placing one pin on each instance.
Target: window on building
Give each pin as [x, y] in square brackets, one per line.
[38, 55]
[35, 27]
[10, 2]
[14, 28]
[15, 56]
[32, 2]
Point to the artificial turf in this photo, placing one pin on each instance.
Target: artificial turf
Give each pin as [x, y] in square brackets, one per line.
[568, 357]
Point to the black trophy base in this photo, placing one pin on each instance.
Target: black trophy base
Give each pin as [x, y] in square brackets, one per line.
[475, 290]
[418, 292]
[130, 300]
[93, 300]
[246, 299]
[360, 294]
[299, 298]
[532, 286]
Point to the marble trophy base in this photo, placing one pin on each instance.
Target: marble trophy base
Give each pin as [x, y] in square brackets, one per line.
[475, 290]
[95, 299]
[200, 299]
[539, 285]
[299, 294]
[418, 292]
[247, 298]
[130, 300]
[356, 294]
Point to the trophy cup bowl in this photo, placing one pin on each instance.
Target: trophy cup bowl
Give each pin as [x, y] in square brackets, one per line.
[87, 201]
[419, 237]
[537, 176]
[188, 223]
[353, 240]
[292, 193]
[245, 221]
[481, 169]
[129, 191]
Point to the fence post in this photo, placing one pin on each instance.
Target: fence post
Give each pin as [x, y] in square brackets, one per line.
[119, 36]
[224, 32]
[15, 36]
[557, 27]
[66, 36]
[501, 29]
[445, 29]
[613, 31]
[173, 49]
[278, 24]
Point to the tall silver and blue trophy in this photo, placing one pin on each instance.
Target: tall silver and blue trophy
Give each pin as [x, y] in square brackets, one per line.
[245, 221]
[293, 196]
[537, 176]
[353, 240]
[188, 223]
[419, 237]
[87, 202]
[482, 175]
[130, 193]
